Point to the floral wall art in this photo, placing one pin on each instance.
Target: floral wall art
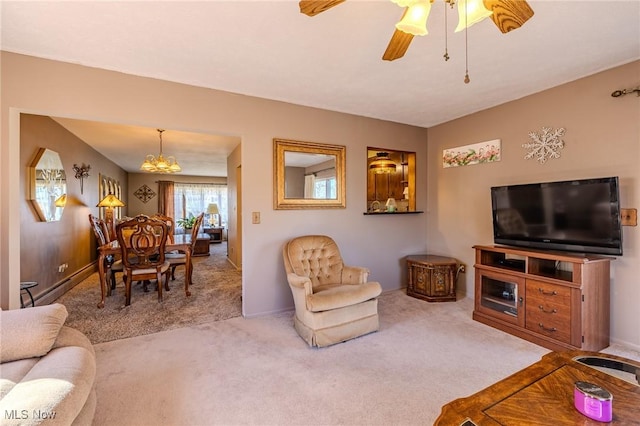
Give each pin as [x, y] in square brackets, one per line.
[482, 152]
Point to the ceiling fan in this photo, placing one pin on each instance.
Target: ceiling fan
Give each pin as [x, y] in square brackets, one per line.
[507, 15]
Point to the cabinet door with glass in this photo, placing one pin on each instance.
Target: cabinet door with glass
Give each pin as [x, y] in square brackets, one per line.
[501, 296]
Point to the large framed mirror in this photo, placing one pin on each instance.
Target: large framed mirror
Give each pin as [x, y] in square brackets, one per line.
[391, 181]
[48, 185]
[308, 175]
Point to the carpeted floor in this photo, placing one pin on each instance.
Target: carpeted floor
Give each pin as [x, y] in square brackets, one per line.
[215, 295]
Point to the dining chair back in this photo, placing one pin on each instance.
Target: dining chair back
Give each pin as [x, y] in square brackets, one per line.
[142, 242]
[177, 259]
[112, 265]
[171, 225]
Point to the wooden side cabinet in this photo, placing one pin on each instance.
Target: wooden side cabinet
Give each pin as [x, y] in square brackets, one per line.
[557, 300]
[432, 278]
[215, 233]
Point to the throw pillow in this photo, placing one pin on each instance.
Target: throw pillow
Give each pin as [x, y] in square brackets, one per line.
[30, 332]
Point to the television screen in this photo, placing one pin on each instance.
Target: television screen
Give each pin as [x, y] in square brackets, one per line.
[579, 215]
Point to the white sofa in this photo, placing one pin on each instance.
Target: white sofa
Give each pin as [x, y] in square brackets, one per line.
[47, 370]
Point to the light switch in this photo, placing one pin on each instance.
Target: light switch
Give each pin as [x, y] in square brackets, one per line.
[255, 217]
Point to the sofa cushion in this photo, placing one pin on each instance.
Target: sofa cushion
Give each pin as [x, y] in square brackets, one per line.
[30, 332]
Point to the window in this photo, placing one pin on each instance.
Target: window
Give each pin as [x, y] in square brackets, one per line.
[325, 188]
[191, 199]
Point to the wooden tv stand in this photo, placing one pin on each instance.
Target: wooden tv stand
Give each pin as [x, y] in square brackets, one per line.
[556, 300]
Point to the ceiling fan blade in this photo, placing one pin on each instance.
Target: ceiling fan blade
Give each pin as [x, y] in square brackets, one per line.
[509, 15]
[313, 7]
[398, 45]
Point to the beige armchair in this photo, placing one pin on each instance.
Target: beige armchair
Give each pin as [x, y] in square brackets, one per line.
[333, 302]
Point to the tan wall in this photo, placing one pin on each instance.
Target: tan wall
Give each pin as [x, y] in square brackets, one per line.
[46, 245]
[602, 139]
[66, 90]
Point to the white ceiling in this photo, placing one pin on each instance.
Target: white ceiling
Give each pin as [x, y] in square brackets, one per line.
[266, 48]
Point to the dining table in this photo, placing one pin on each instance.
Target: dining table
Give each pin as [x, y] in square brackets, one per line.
[181, 242]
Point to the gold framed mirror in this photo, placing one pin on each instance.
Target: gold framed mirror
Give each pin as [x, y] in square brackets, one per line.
[47, 185]
[308, 175]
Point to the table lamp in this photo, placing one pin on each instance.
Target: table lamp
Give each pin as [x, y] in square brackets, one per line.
[109, 202]
[212, 209]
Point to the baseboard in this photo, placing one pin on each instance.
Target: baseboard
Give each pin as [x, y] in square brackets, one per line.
[61, 287]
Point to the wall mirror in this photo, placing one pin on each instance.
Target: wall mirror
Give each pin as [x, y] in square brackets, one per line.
[308, 175]
[48, 185]
[391, 181]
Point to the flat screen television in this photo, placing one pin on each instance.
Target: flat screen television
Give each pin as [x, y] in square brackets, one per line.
[578, 215]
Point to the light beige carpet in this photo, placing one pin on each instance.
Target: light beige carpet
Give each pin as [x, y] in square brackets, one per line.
[259, 371]
[215, 295]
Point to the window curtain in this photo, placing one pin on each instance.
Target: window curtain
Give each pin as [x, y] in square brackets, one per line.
[309, 186]
[166, 198]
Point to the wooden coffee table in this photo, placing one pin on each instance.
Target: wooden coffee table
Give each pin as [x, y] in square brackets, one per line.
[542, 394]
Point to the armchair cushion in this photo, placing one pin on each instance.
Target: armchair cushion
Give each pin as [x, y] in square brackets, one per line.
[334, 297]
[29, 333]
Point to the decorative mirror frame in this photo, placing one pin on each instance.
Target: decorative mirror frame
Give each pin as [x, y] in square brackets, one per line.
[108, 185]
[280, 202]
[60, 191]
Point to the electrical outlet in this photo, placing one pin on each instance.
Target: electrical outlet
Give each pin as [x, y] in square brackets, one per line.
[463, 269]
[255, 217]
[629, 217]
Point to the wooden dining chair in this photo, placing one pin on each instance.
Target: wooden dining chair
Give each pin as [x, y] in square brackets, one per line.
[177, 258]
[171, 224]
[143, 241]
[112, 265]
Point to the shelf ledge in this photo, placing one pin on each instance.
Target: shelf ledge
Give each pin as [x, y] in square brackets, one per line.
[391, 213]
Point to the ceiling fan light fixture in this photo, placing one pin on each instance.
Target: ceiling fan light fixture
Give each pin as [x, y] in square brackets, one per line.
[160, 164]
[404, 3]
[414, 20]
[476, 12]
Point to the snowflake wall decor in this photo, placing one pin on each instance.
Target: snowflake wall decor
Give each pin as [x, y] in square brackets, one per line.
[144, 193]
[544, 145]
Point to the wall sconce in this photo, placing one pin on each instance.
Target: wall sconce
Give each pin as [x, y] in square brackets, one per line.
[81, 173]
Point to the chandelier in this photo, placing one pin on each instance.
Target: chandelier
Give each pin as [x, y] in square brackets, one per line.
[382, 164]
[160, 164]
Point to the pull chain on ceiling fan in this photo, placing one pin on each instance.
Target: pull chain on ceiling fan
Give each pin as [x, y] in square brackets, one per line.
[507, 15]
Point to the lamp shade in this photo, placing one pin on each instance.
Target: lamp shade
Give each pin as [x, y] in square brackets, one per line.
[382, 164]
[110, 201]
[61, 201]
[476, 12]
[414, 20]
[212, 208]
